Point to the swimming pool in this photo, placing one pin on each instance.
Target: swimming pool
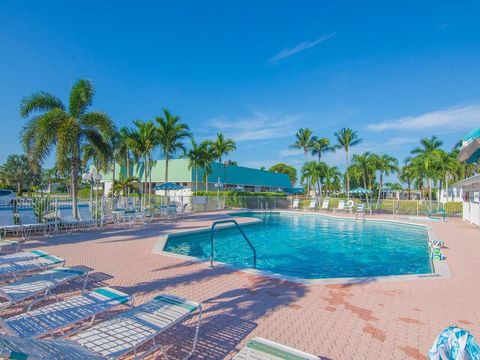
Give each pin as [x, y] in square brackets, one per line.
[315, 247]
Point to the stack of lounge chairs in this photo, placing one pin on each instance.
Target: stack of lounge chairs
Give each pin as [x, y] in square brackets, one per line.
[69, 329]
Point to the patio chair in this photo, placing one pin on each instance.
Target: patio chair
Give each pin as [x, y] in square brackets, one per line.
[172, 211]
[341, 205]
[325, 205]
[86, 218]
[38, 286]
[7, 222]
[29, 222]
[262, 349]
[22, 256]
[127, 333]
[67, 220]
[14, 269]
[312, 205]
[55, 317]
[9, 244]
[295, 204]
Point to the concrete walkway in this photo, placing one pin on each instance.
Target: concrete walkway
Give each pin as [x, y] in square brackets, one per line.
[366, 320]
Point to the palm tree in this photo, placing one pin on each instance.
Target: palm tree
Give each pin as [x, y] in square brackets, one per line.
[407, 175]
[171, 136]
[67, 130]
[332, 177]
[206, 159]
[318, 147]
[346, 138]
[427, 160]
[386, 165]
[310, 174]
[222, 146]
[17, 173]
[124, 185]
[303, 141]
[146, 143]
[196, 157]
[365, 165]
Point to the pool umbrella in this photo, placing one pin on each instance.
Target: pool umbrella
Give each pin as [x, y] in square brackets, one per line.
[360, 191]
[169, 186]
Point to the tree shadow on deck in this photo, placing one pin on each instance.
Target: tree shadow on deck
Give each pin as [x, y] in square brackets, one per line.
[230, 313]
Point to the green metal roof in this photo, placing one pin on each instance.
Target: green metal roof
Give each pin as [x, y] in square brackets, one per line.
[178, 172]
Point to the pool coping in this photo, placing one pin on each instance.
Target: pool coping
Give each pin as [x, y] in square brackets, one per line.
[441, 269]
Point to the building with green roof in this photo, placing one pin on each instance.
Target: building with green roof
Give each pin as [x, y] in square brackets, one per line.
[231, 177]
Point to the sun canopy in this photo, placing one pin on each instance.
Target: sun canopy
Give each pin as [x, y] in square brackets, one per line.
[360, 191]
[169, 186]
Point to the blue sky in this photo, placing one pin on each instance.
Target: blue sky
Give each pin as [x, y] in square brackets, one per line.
[255, 70]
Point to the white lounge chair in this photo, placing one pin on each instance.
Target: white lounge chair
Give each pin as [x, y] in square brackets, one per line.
[22, 256]
[312, 205]
[341, 205]
[9, 244]
[86, 219]
[55, 317]
[14, 269]
[295, 204]
[29, 222]
[67, 221]
[7, 222]
[325, 205]
[38, 286]
[262, 349]
[126, 333]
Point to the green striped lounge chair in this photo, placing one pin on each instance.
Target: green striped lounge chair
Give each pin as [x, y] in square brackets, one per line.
[9, 244]
[22, 256]
[56, 317]
[41, 263]
[38, 286]
[128, 333]
[262, 349]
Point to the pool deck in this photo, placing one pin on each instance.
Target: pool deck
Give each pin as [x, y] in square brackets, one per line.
[363, 319]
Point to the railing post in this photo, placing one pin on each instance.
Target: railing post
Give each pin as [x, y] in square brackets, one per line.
[417, 207]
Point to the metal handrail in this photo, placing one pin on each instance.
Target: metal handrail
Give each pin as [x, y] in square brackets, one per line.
[212, 231]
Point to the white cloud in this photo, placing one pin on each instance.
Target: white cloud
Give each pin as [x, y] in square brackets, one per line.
[291, 152]
[301, 47]
[458, 118]
[258, 126]
[402, 141]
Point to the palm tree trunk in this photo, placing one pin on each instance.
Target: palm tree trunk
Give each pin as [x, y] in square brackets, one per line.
[196, 179]
[74, 180]
[348, 176]
[379, 189]
[166, 169]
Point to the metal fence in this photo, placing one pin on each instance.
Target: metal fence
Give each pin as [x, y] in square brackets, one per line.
[44, 208]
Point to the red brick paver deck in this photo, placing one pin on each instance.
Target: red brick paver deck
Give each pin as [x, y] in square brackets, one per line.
[367, 320]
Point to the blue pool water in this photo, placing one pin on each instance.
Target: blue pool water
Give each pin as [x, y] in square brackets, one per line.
[311, 246]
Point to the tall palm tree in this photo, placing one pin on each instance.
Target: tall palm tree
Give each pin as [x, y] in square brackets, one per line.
[365, 165]
[407, 175]
[222, 146]
[66, 130]
[303, 140]
[332, 177]
[206, 159]
[346, 138]
[318, 147]
[386, 165]
[196, 156]
[146, 143]
[171, 136]
[310, 174]
[427, 160]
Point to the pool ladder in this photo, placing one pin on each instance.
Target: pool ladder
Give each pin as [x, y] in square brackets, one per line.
[212, 232]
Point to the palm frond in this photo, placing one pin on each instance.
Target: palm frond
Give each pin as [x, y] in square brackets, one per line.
[81, 97]
[100, 121]
[40, 101]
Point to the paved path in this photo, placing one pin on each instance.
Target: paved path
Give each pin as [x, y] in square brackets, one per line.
[367, 320]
